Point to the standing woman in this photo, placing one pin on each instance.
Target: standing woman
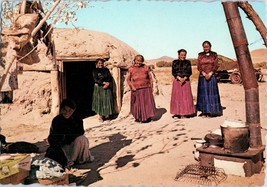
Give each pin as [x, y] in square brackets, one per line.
[103, 103]
[182, 104]
[140, 81]
[208, 98]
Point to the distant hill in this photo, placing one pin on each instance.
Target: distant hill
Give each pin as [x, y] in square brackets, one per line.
[163, 58]
[259, 55]
[225, 62]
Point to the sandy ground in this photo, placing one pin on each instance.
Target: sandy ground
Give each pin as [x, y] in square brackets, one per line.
[128, 153]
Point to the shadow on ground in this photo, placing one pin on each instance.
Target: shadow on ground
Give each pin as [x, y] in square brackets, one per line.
[90, 173]
[103, 153]
[159, 114]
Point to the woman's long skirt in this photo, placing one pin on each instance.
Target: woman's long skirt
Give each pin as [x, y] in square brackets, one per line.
[182, 99]
[208, 98]
[142, 104]
[103, 103]
[78, 151]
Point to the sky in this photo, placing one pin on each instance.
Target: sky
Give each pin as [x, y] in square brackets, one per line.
[160, 28]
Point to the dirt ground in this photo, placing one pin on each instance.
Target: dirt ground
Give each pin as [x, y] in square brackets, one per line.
[128, 153]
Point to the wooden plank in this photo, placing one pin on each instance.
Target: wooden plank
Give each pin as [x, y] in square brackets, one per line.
[251, 164]
[82, 58]
[117, 85]
[26, 67]
[55, 92]
[11, 56]
[64, 180]
[17, 178]
[220, 151]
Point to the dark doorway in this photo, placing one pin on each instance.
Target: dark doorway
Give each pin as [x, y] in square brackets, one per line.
[80, 85]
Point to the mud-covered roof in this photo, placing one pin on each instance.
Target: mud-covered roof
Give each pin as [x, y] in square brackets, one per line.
[88, 44]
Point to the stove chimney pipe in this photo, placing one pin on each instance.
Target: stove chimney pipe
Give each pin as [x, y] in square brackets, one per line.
[250, 84]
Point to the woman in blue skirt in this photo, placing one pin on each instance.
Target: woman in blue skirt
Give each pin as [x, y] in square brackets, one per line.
[208, 97]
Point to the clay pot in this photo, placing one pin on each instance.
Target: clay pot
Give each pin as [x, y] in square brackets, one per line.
[214, 140]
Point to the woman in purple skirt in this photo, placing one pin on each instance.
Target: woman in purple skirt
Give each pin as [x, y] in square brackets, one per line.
[182, 104]
[208, 98]
[140, 81]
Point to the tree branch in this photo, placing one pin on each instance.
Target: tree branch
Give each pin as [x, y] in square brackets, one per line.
[254, 17]
[23, 7]
[38, 27]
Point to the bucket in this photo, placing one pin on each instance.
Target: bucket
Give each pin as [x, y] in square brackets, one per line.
[235, 136]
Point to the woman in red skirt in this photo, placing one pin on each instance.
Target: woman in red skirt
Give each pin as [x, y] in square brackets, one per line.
[182, 104]
[140, 81]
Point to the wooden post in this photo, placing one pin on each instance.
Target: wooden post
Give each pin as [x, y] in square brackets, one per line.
[23, 7]
[55, 85]
[38, 27]
[117, 79]
[55, 92]
[247, 72]
[10, 58]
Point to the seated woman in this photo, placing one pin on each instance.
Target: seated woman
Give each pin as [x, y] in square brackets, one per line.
[68, 145]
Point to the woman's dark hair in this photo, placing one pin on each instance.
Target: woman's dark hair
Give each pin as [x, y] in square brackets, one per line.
[69, 103]
[100, 59]
[181, 50]
[143, 59]
[206, 42]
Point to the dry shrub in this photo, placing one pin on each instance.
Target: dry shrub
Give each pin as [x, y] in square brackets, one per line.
[193, 61]
[151, 66]
[164, 75]
[163, 64]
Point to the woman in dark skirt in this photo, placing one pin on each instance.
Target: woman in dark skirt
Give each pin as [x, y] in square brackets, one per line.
[140, 81]
[208, 98]
[68, 145]
[103, 103]
[182, 104]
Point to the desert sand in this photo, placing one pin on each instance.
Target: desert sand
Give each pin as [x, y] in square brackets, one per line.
[128, 153]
